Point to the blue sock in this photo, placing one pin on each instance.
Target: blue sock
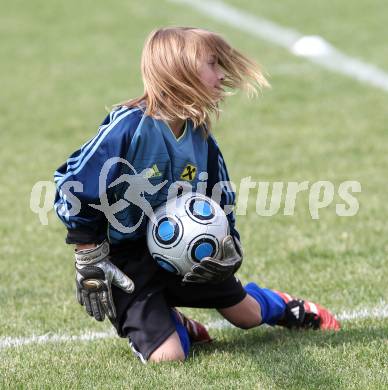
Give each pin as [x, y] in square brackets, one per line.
[182, 333]
[271, 304]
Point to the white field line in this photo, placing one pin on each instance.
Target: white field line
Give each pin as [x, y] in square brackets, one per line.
[7, 342]
[380, 311]
[326, 56]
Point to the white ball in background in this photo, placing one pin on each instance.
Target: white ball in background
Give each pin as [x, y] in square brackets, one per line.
[311, 46]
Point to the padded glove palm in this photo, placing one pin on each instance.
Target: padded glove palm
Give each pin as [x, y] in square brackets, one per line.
[94, 276]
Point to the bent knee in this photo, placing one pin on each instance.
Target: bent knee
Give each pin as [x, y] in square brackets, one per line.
[170, 350]
[160, 356]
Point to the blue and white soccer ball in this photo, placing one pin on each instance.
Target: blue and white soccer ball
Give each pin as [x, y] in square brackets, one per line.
[186, 230]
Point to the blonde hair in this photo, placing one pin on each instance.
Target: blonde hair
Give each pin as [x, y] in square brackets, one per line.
[172, 87]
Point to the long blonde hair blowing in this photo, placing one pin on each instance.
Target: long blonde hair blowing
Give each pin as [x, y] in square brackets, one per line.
[170, 64]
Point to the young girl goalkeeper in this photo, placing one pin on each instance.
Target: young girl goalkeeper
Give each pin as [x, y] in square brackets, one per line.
[167, 130]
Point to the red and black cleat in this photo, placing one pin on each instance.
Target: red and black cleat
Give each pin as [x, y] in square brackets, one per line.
[302, 314]
[197, 332]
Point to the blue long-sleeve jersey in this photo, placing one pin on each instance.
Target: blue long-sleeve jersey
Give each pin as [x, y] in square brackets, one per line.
[132, 145]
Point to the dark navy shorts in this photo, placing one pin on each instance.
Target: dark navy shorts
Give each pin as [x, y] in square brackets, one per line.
[145, 316]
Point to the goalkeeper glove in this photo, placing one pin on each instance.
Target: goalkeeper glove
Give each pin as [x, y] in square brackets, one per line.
[216, 270]
[94, 276]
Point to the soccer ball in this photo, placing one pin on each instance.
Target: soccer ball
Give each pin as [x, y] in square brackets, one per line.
[186, 229]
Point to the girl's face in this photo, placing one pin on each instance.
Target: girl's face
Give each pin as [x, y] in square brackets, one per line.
[211, 74]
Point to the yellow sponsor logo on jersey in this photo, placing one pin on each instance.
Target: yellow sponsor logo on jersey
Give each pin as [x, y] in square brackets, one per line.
[189, 172]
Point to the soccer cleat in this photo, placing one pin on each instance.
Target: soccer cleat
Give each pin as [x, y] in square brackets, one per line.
[198, 334]
[302, 314]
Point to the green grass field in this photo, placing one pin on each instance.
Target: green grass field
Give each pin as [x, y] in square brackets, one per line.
[62, 63]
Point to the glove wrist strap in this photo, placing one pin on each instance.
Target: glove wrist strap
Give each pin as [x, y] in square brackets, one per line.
[92, 255]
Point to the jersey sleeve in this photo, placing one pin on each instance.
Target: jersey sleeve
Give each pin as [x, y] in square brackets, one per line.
[78, 179]
[219, 183]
